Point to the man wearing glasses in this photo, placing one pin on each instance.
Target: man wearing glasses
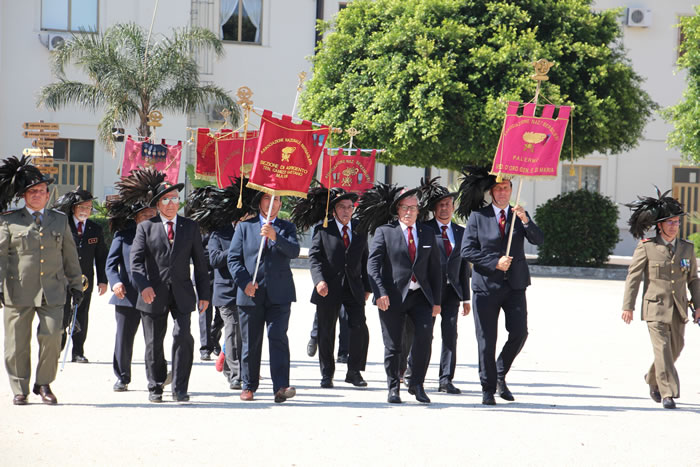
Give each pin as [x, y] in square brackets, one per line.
[668, 267]
[406, 279]
[92, 253]
[160, 263]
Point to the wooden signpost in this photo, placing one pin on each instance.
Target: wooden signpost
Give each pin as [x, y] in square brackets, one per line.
[41, 151]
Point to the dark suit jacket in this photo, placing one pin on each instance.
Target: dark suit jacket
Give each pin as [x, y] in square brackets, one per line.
[275, 273]
[482, 246]
[331, 262]
[224, 286]
[92, 250]
[119, 267]
[158, 264]
[390, 269]
[455, 269]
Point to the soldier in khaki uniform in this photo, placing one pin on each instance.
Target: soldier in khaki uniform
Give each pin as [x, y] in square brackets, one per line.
[667, 266]
[38, 260]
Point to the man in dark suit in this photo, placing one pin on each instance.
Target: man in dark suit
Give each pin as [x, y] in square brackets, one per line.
[92, 253]
[267, 299]
[499, 282]
[455, 282]
[125, 297]
[406, 279]
[338, 262]
[225, 298]
[160, 264]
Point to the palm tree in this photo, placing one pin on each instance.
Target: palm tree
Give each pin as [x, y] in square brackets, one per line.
[131, 75]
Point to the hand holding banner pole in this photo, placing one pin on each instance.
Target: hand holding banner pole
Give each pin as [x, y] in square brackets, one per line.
[262, 241]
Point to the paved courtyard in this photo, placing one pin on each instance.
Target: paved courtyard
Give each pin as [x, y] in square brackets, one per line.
[580, 400]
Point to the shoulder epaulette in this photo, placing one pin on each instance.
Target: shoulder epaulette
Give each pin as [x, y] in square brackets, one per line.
[645, 240]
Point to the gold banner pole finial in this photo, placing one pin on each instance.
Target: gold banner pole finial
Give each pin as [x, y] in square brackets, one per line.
[154, 118]
[244, 95]
[300, 87]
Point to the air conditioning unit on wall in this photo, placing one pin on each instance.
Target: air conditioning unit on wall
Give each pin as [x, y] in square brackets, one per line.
[638, 18]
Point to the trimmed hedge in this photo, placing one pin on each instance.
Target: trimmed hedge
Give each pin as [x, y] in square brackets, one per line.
[580, 229]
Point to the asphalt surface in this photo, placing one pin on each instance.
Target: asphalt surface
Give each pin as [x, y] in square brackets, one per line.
[578, 383]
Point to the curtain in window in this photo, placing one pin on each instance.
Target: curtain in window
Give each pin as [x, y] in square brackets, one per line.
[226, 10]
[254, 10]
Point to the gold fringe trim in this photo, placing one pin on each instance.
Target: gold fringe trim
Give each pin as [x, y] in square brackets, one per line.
[272, 191]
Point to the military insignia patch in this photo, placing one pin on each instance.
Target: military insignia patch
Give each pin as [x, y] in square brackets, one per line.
[92, 241]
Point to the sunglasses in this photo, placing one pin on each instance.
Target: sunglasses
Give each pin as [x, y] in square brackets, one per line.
[167, 201]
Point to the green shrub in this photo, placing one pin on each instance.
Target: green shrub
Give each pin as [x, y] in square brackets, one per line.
[580, 229]
[100, 217]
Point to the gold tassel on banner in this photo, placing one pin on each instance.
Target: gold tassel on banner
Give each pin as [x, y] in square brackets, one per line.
[244, 94]
[499, 177]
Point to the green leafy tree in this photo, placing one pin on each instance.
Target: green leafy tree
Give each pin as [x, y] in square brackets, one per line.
[429, 79]
[685, 116]
[130, 75]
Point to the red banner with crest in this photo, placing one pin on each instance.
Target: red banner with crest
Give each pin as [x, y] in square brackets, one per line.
[286, 155]
[352, 172]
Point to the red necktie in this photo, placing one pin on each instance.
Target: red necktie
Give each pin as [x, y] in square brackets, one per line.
[411, 249]
[80, 228]
[446, 241]
[171, 233]
[346, 237]
[502, 223]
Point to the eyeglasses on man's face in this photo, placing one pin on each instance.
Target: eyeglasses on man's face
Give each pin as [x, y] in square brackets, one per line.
[167, 201]
[672, 223]
[408, 208]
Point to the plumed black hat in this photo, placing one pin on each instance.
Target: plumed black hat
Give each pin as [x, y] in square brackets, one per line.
[66, 202]
[476, 181]
[374, 207]
[307, 212]
[135, 194]
[213, 208]
[648, 211]
[163, 189]
[431, 193]
[16, 177]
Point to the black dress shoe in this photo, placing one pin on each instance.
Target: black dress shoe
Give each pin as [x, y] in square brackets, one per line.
[355, 378]
[326, 383]
[119, 386]
[487, 398]
[181, 397]
[342, 359]
[236, 384]
[19, 399]
[655, 394]
[394, 397]
[155, 397]
[668, 403]
[420, 394]
[311, 347]
[503, 391]
[79, 359]
[47, 396]
[217, 349]
[449, 388]
[205, 356]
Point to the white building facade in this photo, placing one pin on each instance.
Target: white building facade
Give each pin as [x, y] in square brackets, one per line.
[267, 43]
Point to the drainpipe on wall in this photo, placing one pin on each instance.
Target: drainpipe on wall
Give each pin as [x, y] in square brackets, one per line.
[319, 16]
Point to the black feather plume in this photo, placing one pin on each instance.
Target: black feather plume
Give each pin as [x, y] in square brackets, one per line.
[66, 202]
[140, 185]
[476, 181]
[309, 211]
[120, 214]
[374, 207]
[214, 208]
[15, 175]
[647, 211]
[428, 191]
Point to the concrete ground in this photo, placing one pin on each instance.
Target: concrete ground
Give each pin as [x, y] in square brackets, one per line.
[580, 400]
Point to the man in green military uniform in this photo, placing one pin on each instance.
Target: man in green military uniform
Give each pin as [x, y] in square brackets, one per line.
[38, 261]
[668, 267]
